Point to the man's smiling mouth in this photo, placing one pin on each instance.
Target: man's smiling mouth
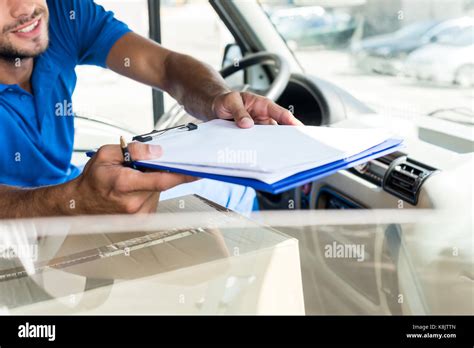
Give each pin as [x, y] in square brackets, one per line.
[28, 27]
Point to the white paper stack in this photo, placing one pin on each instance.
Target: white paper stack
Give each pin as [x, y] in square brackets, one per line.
[265, 153]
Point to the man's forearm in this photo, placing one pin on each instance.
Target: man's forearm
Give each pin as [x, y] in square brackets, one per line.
[193, 84]
[46, 201]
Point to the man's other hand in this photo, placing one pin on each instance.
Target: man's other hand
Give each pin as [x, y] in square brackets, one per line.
[107, 187]
[248, 109]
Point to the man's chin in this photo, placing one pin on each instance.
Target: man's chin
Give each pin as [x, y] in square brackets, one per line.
[33, 53]
[10, 53]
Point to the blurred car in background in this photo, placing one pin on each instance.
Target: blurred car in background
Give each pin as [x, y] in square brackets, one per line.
[386, 54]
[312, 26]
[449, 60]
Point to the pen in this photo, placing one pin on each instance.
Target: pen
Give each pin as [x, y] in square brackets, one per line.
[127, 158]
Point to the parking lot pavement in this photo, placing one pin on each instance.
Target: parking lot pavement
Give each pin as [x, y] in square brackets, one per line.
[397, 96]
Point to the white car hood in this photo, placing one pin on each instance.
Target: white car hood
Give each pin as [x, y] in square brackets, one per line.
[442, 53]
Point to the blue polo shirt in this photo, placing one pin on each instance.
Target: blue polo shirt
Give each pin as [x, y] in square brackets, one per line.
[37, 130]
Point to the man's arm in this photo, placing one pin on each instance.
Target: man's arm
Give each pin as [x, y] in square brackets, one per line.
[45, 201]
[104, 187]
[192, 83]
[195, 85]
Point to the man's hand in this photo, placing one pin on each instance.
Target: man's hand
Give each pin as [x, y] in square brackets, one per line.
[248, 109]
[106, 186]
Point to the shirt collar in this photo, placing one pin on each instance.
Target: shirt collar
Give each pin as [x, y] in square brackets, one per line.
[42, 65]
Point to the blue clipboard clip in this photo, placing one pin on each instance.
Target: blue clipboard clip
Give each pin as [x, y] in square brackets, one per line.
[156, 133]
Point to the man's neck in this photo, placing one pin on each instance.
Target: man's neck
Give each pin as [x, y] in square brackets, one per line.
[17, 72]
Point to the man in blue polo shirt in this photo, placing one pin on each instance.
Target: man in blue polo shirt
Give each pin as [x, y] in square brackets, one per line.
[41, 42]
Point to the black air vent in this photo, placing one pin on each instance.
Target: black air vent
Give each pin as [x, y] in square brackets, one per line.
[374, 170]
[405, 177]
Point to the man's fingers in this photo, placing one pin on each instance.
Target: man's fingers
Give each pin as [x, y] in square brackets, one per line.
[131, 180]
[282, 115]
[248, 109]
[264, 109]
[140, 152]
[109, 153]
[239, 113]
[135, 181]
[170, 180]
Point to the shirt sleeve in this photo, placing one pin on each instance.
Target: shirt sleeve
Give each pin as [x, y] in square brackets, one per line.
[85, 30]
[98, 31]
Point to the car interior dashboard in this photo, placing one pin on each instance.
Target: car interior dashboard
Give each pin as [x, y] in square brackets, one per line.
[411, 178]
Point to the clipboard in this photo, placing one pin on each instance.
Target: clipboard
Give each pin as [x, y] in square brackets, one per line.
[387, 147]
[301, 178]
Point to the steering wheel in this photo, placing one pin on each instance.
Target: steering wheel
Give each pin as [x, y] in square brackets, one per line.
[264, 58]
